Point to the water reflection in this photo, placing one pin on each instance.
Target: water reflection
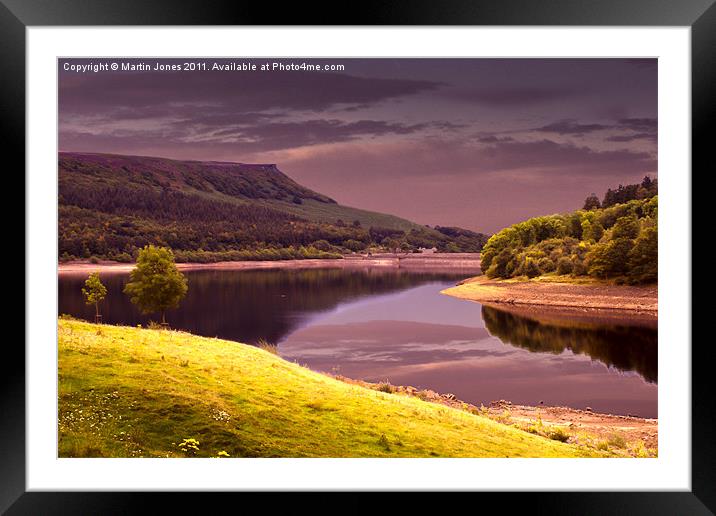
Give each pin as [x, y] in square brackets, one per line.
[421, 338]
[626, 348]
[378, 324]
[248, 305]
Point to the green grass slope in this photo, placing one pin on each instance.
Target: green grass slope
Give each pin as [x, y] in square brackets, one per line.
[130, 392]
[329, 213]
[235, 183]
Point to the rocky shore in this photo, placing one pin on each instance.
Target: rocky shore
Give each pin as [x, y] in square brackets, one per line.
[633, 301]
[629, 436]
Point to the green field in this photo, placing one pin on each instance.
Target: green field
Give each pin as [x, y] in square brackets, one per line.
[131, 392]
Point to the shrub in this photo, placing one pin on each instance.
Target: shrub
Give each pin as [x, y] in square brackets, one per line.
[322, 245]
[546, 265]
[385, 387]
[531, 269]
[123, 258]
[564, 266]
[267, 346]
[616, 441]
[609, 259]
[558, 434]
[592, 230]
[644, 256]
[354, 245]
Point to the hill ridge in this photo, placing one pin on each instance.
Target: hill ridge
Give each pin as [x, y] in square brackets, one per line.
[110, 205]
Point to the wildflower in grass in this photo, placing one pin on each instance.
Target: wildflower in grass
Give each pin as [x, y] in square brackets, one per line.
[222, 453]
[189, 446]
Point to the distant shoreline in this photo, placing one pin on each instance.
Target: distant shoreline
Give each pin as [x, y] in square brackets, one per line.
[470, 262]
[629, 300]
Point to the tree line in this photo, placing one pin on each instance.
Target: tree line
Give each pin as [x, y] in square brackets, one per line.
[617, 242]
[114, 222]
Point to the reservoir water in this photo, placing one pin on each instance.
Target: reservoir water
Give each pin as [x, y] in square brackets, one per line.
[395, 325]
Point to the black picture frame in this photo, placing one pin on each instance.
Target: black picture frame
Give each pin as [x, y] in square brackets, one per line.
[17, 15]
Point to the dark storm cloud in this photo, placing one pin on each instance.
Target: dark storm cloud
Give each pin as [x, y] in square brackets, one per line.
[571, 127]
[434, 140]
[482, 187]
[579, 159]
[636, 129]
[507, 96]
[284, 135]
[251, 91]
[639, 124]
[632, 137]
[631, 128]
[491, 138]
[265, 136]
[460, 160]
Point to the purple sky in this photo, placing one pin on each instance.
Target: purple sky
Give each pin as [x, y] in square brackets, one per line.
[477, 143]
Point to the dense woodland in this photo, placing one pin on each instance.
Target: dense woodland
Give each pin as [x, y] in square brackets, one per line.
[112, 206]
[615, 239]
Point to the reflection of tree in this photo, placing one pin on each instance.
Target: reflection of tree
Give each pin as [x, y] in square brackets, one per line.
[626, 348]
[253, 304]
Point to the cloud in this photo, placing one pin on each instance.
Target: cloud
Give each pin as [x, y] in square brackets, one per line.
[491, 138]
[639, 124]
[287, 135]
[633, 137]
[473, 185]
[440, 157]
[570, 127]
[512, 96]
[547, 154]
[229, 91]
[628, 129]
[242, 134]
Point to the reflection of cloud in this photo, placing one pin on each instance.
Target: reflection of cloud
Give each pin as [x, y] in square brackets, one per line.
[405, 342]
[463, 361]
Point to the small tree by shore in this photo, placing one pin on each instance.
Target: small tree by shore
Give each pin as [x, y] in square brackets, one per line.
[94, 292]
[156, 285]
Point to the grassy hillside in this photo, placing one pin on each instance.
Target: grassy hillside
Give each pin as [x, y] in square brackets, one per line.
[317, 211]
[129, 392]
[110, 206]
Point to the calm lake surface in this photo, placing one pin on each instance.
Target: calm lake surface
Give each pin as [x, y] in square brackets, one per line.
[394, 325]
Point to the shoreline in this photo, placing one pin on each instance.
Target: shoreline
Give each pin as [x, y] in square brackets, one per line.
[586, 300]
[307, 413]
[431, 262]
[620, 435]
[583, 425]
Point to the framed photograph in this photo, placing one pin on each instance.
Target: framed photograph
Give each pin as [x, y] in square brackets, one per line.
[413, 250]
